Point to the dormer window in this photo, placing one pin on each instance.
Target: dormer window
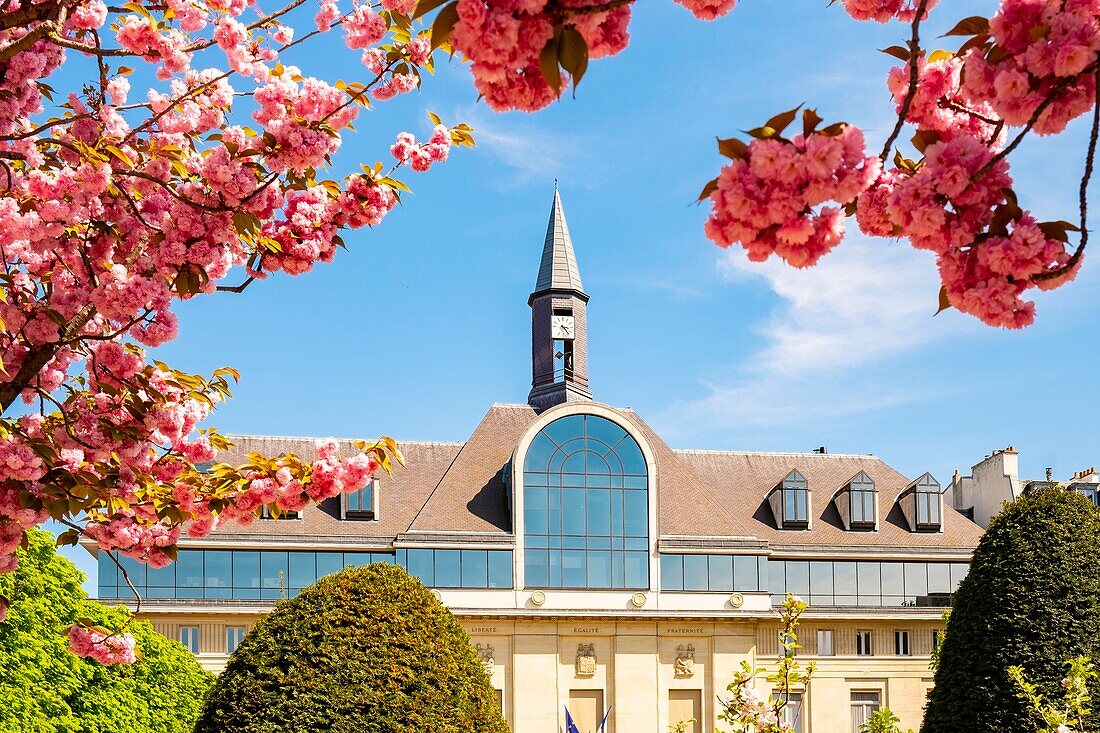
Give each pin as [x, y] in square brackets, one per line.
[928, 503]
[857, 503]
[362, 504]
[794, 492]
[922, 504]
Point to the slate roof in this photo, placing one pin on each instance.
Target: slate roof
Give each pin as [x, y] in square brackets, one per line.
[459, 489]
[558, 269]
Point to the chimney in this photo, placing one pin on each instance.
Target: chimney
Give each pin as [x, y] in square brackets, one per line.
[1050, 475]
[822, 450]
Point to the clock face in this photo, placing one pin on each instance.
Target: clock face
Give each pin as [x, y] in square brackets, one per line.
[561, 327]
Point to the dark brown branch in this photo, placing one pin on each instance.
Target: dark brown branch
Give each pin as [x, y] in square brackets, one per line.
[1083, 198]
[911, 92]
[236, 288]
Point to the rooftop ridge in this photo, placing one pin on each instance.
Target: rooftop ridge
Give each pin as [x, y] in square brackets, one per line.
[805, 454]
[231, 436]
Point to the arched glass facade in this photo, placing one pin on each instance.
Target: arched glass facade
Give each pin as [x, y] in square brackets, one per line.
[585, 507]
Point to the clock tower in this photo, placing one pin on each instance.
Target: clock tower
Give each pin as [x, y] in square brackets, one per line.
[559, 333]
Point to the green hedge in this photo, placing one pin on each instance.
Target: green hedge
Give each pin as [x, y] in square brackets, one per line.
[367, 650]
[1032, 598]
[44, 688]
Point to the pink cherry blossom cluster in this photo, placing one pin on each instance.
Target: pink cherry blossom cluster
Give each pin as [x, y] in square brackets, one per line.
[105, 648]
[1041, 49]
[885, 10]
[946, 206]
[771, 202]
[421, 156]
[503, 39]
[938, 103]
[708, 9]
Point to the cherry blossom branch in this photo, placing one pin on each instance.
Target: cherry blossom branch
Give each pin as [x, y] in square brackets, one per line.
[1039, 110]
[262, 21]
[45, 28]
[589, 9]
[1082, 196]
[911, 92]
[946, 103]
[125, 576]
[236, 288]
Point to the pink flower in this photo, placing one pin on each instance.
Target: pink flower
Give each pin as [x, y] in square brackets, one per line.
[107, 649]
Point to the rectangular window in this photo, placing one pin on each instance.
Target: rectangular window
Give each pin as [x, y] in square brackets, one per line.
[863, 704]
[794, 506]
[265, 513]
[863, 644]
[863, 508]
[901, 643]
[686, 706]
[928, 509]
[234, 635]
[586, 708]
[189, 637]
[937, 639]
[791, 715]
[825, 643]
[360, 504]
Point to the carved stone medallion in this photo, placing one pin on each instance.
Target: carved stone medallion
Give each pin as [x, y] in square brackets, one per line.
[685, 660]
[586, 660]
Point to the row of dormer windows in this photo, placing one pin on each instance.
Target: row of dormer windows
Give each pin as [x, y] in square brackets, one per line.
[857, 502]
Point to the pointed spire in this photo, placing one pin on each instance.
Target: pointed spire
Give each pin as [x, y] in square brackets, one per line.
[558, 270]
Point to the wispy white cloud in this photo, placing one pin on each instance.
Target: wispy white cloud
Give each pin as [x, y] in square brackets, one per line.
[529, 152]
[829, 345]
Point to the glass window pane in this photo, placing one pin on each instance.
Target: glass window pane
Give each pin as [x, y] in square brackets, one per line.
[534, 510]
[329, 563]
[599, 513]
[604, 432]
[500, 568]
[108, 571]
[303, 569]
[636, 514]
[696, 572]
[869, 583]
[536, 567]
[744, 573]
[721, 573]
[573, 568]
[572, 511]
[246, 574]
[636, 568]
[475, 569]
[273, 572]
[448, 568]
[893, 583]
[916, 580]
[672, 572]
[421, 564]
[219, 573]
[539, 453]
[134, 570]
[164, 577]
[777, 579]
[939, 577]
[844, 578]
[189, 569]
[821, 579]
[798, 577]
[599, 569]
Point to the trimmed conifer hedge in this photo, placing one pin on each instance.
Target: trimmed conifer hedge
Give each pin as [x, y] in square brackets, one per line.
[367, 650]
[1032, 598]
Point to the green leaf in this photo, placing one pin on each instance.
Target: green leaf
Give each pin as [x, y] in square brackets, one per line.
[444, 24]
[548, 65]
[733, 148]
[573, 54]
[971, 26]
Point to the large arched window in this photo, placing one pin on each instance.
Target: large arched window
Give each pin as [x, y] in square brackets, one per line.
[585, 507]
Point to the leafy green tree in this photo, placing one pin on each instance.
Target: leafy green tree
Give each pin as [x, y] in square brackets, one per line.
[45, 689]
[367, 650]
[1031, 599]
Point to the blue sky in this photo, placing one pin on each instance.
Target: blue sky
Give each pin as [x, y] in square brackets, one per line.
[424, 322]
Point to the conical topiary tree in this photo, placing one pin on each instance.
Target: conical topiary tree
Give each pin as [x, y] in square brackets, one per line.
[1031, 598]
[367, 650]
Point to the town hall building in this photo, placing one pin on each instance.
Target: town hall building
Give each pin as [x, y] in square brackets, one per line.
[593, 566]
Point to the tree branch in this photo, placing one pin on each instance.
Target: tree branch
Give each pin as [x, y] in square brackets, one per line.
[914, 59]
